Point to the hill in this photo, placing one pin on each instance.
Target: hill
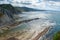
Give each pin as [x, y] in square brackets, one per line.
[26, 9]
[7, 12]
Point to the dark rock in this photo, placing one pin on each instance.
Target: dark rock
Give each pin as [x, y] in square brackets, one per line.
[12, 38]
[8, 7]
[7, 12]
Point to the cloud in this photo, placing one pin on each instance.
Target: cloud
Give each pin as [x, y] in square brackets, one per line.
[54, 0]
[37, 4]
[53, 5]
[1, 0]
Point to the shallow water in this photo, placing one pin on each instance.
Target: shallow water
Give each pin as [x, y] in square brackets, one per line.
[46, 19]
[52, 16]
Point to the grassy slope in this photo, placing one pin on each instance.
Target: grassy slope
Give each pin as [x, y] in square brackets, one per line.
[57, 36]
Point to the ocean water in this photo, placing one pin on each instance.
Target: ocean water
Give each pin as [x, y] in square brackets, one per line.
[46, 18]
[52, 16]
[55, 16]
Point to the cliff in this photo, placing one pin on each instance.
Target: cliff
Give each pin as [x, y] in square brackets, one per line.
[7, 12]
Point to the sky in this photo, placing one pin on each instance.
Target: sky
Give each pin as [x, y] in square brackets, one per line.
[37, 4]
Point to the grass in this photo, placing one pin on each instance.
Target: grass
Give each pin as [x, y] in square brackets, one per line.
[56, 36]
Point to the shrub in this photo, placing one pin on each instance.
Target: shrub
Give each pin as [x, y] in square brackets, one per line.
[56, 36]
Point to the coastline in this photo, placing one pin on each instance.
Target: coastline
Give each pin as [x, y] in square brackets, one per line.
[29, 35]
[41, 34]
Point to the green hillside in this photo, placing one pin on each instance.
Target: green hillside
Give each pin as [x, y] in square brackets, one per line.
[57, 36]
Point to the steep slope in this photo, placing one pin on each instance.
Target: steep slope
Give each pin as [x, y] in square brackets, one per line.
[7, 13]
[10, 8]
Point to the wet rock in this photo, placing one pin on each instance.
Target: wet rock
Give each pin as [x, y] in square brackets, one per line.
[12, 38]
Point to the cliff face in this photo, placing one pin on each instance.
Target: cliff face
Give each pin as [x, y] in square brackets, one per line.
[7, 12]
[9, 7]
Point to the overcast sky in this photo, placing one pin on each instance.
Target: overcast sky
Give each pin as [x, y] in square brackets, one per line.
[38, 4]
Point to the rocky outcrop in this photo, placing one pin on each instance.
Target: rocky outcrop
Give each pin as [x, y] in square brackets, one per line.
[9, 7]
[7, 12]
[12, 38]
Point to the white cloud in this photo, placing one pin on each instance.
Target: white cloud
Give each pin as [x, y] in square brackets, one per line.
[34, 4]
[53, 5]
[38, 4]
[47, 5]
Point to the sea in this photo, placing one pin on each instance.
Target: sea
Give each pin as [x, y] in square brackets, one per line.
[45, 18]
[53, 16]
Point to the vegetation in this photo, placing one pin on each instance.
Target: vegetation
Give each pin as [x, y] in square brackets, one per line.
[1, 14]
[6, 6]
[26, 9]
[9, 7]
[56, 36]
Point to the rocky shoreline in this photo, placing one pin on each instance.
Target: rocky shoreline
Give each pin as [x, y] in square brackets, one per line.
[41, 34]
[24, 34]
